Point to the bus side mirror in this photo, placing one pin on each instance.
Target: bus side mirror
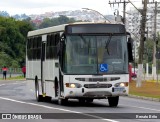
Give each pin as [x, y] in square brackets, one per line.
[129, 46]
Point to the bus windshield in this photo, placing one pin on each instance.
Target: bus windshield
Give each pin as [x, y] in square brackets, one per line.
[95, 54]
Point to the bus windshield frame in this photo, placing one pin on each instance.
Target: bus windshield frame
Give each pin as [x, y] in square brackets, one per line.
[85, 54]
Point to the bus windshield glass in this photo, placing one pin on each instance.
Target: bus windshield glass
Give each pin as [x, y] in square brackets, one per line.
[95, 54]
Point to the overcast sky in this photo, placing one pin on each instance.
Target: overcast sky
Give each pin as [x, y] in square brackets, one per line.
[41, 6]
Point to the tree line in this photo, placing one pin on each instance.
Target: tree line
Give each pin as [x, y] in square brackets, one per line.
[13, 36]
[47, 22]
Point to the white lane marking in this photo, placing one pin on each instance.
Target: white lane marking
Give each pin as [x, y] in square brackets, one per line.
[136, 107]
[13, 83]
[2, 84]
[97, 117]
[141, 107]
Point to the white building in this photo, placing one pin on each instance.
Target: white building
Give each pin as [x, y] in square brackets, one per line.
[133, 25]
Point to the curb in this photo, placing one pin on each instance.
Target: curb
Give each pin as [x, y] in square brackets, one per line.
[145, 98]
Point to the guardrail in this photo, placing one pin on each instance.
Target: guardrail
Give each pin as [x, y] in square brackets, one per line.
[12, 71]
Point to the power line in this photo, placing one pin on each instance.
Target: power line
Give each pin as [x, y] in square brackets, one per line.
[124, 7]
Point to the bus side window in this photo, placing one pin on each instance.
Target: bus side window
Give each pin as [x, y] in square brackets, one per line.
[53, 44]
[48, 47]
[35, 48]
[57, 39]
[39, 40]
[52, 41]
[28, 47]
[31, 49]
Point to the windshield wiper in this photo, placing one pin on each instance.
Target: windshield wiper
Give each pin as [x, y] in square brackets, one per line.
[107, 43]
[85, 41]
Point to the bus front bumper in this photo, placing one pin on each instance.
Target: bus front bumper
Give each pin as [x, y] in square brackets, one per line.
[94, 93]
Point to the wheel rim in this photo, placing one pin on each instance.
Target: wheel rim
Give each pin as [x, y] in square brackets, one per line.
[37, 91]
[59, 101]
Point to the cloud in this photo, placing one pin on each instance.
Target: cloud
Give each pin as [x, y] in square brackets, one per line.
[42, 6]
[26, 3]
[45, 3]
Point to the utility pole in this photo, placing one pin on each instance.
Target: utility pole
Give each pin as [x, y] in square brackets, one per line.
[141, 47]
[124, 8]
[147, 69]
[154, 38]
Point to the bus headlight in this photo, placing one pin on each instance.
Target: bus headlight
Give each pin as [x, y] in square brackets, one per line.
[73, 85]
[122, 84]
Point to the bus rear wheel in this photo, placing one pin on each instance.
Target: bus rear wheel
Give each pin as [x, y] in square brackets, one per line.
[113, 101]
[39, 97]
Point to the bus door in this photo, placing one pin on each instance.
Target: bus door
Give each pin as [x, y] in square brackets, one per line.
[43, 55]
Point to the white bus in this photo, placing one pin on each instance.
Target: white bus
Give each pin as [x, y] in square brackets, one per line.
[83, 61]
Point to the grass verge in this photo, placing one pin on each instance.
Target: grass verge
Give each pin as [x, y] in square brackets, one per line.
[15, 78]
[148, 89]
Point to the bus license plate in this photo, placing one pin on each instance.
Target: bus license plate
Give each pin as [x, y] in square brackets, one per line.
[119, 89]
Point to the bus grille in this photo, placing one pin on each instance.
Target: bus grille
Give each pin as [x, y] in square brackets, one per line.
[98, 85]
[103, 79]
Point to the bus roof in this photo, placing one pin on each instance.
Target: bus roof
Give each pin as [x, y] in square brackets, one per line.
[47, 30]
[59, 28]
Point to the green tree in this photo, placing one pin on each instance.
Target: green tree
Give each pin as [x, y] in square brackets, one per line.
[5, 59]
[56, 21]
[13, 35]
[148, 51]
[63, 19]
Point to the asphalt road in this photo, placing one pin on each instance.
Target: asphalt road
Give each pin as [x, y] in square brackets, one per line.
[17, 100]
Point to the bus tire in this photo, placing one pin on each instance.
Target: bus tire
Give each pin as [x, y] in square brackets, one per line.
[39, 97]
[62, 101]
[48, 99]
[113, 101]
[89, 100]
[81, 100]
[56, 87]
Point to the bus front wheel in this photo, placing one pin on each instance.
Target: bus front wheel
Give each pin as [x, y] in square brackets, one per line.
[89, 100]
[113, 101]
[62, 101]
[82, 100]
